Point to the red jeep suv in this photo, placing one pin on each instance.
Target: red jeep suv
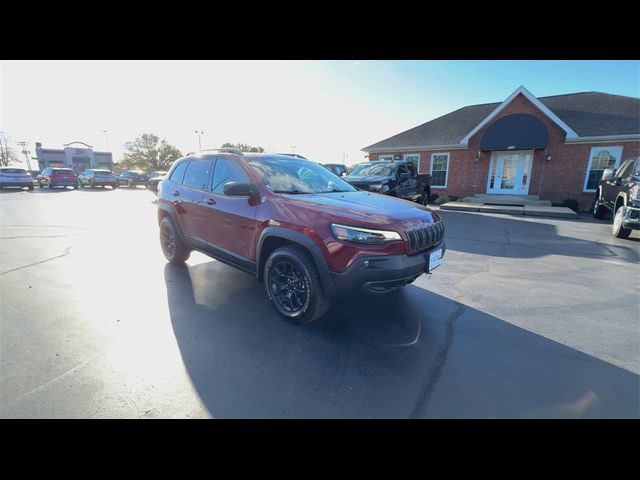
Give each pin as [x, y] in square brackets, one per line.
[306, 233]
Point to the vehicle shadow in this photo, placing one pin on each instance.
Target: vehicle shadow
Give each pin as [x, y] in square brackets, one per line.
[508, 236]
[13, 190]
[377, 357]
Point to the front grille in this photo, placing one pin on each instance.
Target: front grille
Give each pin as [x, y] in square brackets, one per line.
[425, 237]
[360, 186]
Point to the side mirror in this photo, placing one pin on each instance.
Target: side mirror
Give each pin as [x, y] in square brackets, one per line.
[405, 176]
[608, 173]
[240, 189]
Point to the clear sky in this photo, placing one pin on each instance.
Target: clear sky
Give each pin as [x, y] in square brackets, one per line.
[328, 110]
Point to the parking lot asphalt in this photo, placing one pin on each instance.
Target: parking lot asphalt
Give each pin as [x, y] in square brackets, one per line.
[526, 318]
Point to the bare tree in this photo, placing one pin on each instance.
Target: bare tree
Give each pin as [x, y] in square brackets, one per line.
[7, 155]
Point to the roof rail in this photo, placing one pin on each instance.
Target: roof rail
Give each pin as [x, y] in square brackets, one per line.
[292, 155]
[229, 150]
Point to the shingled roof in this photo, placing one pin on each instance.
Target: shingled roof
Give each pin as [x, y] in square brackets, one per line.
[587, 113]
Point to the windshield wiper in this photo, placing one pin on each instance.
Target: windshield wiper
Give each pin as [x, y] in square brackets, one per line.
[335, 190]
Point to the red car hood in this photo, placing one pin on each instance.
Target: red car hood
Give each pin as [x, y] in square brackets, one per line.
[365, 209]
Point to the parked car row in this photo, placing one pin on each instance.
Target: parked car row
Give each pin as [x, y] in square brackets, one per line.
[53, 177]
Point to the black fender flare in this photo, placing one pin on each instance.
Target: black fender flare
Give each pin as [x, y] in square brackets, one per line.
[296, 237]
[171, 213]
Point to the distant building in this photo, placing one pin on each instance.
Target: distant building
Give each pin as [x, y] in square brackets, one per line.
[76, 158]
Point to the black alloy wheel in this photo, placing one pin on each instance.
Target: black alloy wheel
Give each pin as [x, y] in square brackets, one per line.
[289, 286]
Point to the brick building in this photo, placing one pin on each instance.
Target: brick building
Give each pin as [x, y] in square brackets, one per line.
[554, 147]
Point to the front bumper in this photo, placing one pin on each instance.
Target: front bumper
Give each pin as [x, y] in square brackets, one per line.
[381, 274]
[63, 184]
[631, 217]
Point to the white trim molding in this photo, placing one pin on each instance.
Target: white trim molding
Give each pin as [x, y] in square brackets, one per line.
[380, 157]
[529, 96]
[606, 139]
[455, 146]
[446, 176]
[592, 153]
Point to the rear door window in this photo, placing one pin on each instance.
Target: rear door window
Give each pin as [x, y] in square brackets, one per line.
[197, 174]
[178, 174]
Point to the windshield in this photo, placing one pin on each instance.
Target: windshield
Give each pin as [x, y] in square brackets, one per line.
[103, 172]
[377, 169]
[296, 176]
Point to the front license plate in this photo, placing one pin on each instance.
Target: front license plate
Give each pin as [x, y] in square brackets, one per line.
[435, 259]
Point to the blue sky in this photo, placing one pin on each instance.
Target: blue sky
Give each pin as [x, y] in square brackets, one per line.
[328, 110]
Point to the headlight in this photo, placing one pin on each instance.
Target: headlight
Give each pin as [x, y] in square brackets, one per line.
[363, 235]
[379, 187]
[634, 193]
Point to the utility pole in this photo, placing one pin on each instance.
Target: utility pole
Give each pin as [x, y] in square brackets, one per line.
[26, 153]
[293, 149]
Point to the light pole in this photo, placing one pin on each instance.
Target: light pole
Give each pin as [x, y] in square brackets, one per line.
[293, 149]
[199, 133]
[106, 136]
[26, 154]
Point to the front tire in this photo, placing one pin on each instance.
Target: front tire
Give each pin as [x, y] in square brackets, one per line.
[599, 210]
[293, 286]
[175, 251]
[618, 230]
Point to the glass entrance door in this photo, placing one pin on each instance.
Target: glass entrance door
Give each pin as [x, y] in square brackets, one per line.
[509, 173]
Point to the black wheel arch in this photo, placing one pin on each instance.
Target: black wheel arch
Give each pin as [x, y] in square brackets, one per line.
[274, 237]
[168, 211]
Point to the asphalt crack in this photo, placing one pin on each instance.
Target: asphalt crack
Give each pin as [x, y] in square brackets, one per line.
[66, 252]
[441, 359]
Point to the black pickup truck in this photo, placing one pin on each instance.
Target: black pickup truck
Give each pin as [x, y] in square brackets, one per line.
[618, 192]
[395, 178]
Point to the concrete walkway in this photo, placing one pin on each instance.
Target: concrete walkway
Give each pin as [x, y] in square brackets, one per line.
[528, 210]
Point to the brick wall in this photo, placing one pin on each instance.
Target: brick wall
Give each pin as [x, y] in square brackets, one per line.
[562, 177]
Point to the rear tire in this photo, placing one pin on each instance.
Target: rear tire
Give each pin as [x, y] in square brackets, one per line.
[31, 188]
[618, 230]
[599, 210]
[175, 251]
[293, 286]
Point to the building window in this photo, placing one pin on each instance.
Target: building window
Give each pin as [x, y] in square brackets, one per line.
[414, 158]
[439, 170]
[386, 157]
[600, 159]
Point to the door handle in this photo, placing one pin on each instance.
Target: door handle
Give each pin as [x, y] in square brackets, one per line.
[176, 193]
[210, 201]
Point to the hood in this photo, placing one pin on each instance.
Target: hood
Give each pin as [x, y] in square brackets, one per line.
[367, 178]
[365, 209]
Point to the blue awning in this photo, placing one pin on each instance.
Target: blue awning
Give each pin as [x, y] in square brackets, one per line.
[519, 131]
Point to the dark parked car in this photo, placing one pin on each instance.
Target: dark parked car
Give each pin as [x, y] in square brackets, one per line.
[303, 231]
[398, 179]
[619, 193]
[58, 177]
[337, 168]
[154, 179]
[95, 177]
[132, 178]
[15, 177]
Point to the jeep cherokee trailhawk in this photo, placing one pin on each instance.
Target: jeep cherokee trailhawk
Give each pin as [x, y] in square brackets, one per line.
[303, 231]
